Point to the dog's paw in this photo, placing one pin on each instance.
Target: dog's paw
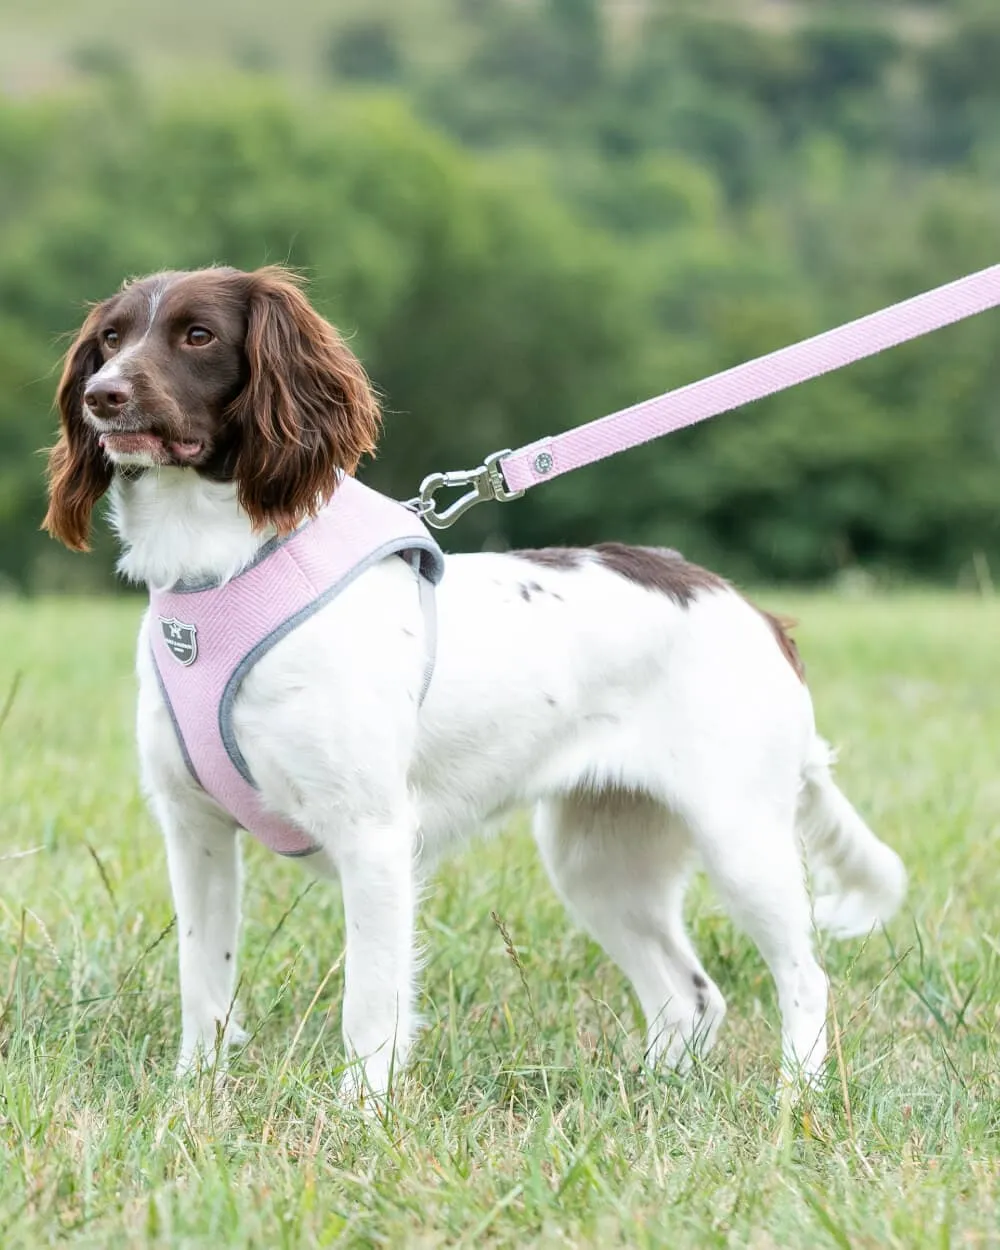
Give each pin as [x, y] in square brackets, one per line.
[365, 1089]
[202, 1051]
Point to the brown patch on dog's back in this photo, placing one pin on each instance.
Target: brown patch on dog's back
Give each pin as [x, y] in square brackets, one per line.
[564, 558]
[659, 568]
[664, 570]
[654, 568]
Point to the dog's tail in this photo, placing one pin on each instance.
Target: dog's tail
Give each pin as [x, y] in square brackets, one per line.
[859, 881]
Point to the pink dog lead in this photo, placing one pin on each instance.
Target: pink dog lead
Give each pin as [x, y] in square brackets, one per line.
[508, 474]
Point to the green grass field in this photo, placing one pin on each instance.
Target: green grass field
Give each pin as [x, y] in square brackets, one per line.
[526, 1119]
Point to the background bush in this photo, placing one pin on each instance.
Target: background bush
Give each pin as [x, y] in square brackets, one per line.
[527, 214]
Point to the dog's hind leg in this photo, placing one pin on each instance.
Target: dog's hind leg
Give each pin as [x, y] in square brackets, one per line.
[621, 864]
[754, 859]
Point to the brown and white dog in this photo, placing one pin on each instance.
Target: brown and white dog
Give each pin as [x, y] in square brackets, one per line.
[651, 717]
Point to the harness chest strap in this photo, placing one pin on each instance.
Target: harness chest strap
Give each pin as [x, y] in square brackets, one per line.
[205, 640]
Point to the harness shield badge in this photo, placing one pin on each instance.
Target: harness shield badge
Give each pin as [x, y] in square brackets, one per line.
[181, 640]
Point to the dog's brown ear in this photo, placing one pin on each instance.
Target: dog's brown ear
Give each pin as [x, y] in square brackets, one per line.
[79, 471]
[307, 410]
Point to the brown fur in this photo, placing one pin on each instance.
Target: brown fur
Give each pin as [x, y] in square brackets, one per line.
[277, 399]
[655, 568]
[780, 625]
[79, 471]
[659, 568]
[307, 409]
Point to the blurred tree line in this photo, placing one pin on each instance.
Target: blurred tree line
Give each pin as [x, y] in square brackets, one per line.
[562, 218]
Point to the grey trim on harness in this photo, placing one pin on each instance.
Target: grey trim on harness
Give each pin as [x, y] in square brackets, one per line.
[310, 850]
[430, 568]
[428, 605]
[192, 587]
[173, 719]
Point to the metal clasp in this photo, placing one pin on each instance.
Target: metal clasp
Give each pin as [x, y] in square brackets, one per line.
[487, 484]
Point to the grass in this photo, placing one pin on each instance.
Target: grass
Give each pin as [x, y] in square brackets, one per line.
[526, 1119]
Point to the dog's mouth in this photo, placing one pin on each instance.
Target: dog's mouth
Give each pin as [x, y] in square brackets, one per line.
[147, 445]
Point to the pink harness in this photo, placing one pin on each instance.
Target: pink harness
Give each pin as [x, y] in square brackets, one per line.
[206, 639]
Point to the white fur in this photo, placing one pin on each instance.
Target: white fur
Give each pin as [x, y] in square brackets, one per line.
[648, 737]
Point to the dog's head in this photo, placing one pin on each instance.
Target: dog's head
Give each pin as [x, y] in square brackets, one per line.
[228, 374]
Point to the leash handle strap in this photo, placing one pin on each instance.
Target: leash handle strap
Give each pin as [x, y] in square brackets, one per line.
[550, 456]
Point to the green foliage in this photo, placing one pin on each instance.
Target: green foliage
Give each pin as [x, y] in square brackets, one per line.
[617, 210]
[365, 49]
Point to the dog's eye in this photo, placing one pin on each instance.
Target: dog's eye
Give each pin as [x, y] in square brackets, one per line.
[110, 338]
[198, 336]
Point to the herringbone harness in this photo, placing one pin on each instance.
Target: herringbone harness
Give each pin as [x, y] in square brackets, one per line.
[206, 639]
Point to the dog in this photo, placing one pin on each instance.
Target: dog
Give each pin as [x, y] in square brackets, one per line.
[651, 716]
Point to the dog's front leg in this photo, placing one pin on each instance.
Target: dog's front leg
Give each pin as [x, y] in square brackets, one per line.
[203, 856]
[377, 876]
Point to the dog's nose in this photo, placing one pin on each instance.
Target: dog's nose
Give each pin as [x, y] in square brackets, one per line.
[107, 396]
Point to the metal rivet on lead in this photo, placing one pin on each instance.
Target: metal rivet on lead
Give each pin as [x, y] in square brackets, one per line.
[543, 462]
